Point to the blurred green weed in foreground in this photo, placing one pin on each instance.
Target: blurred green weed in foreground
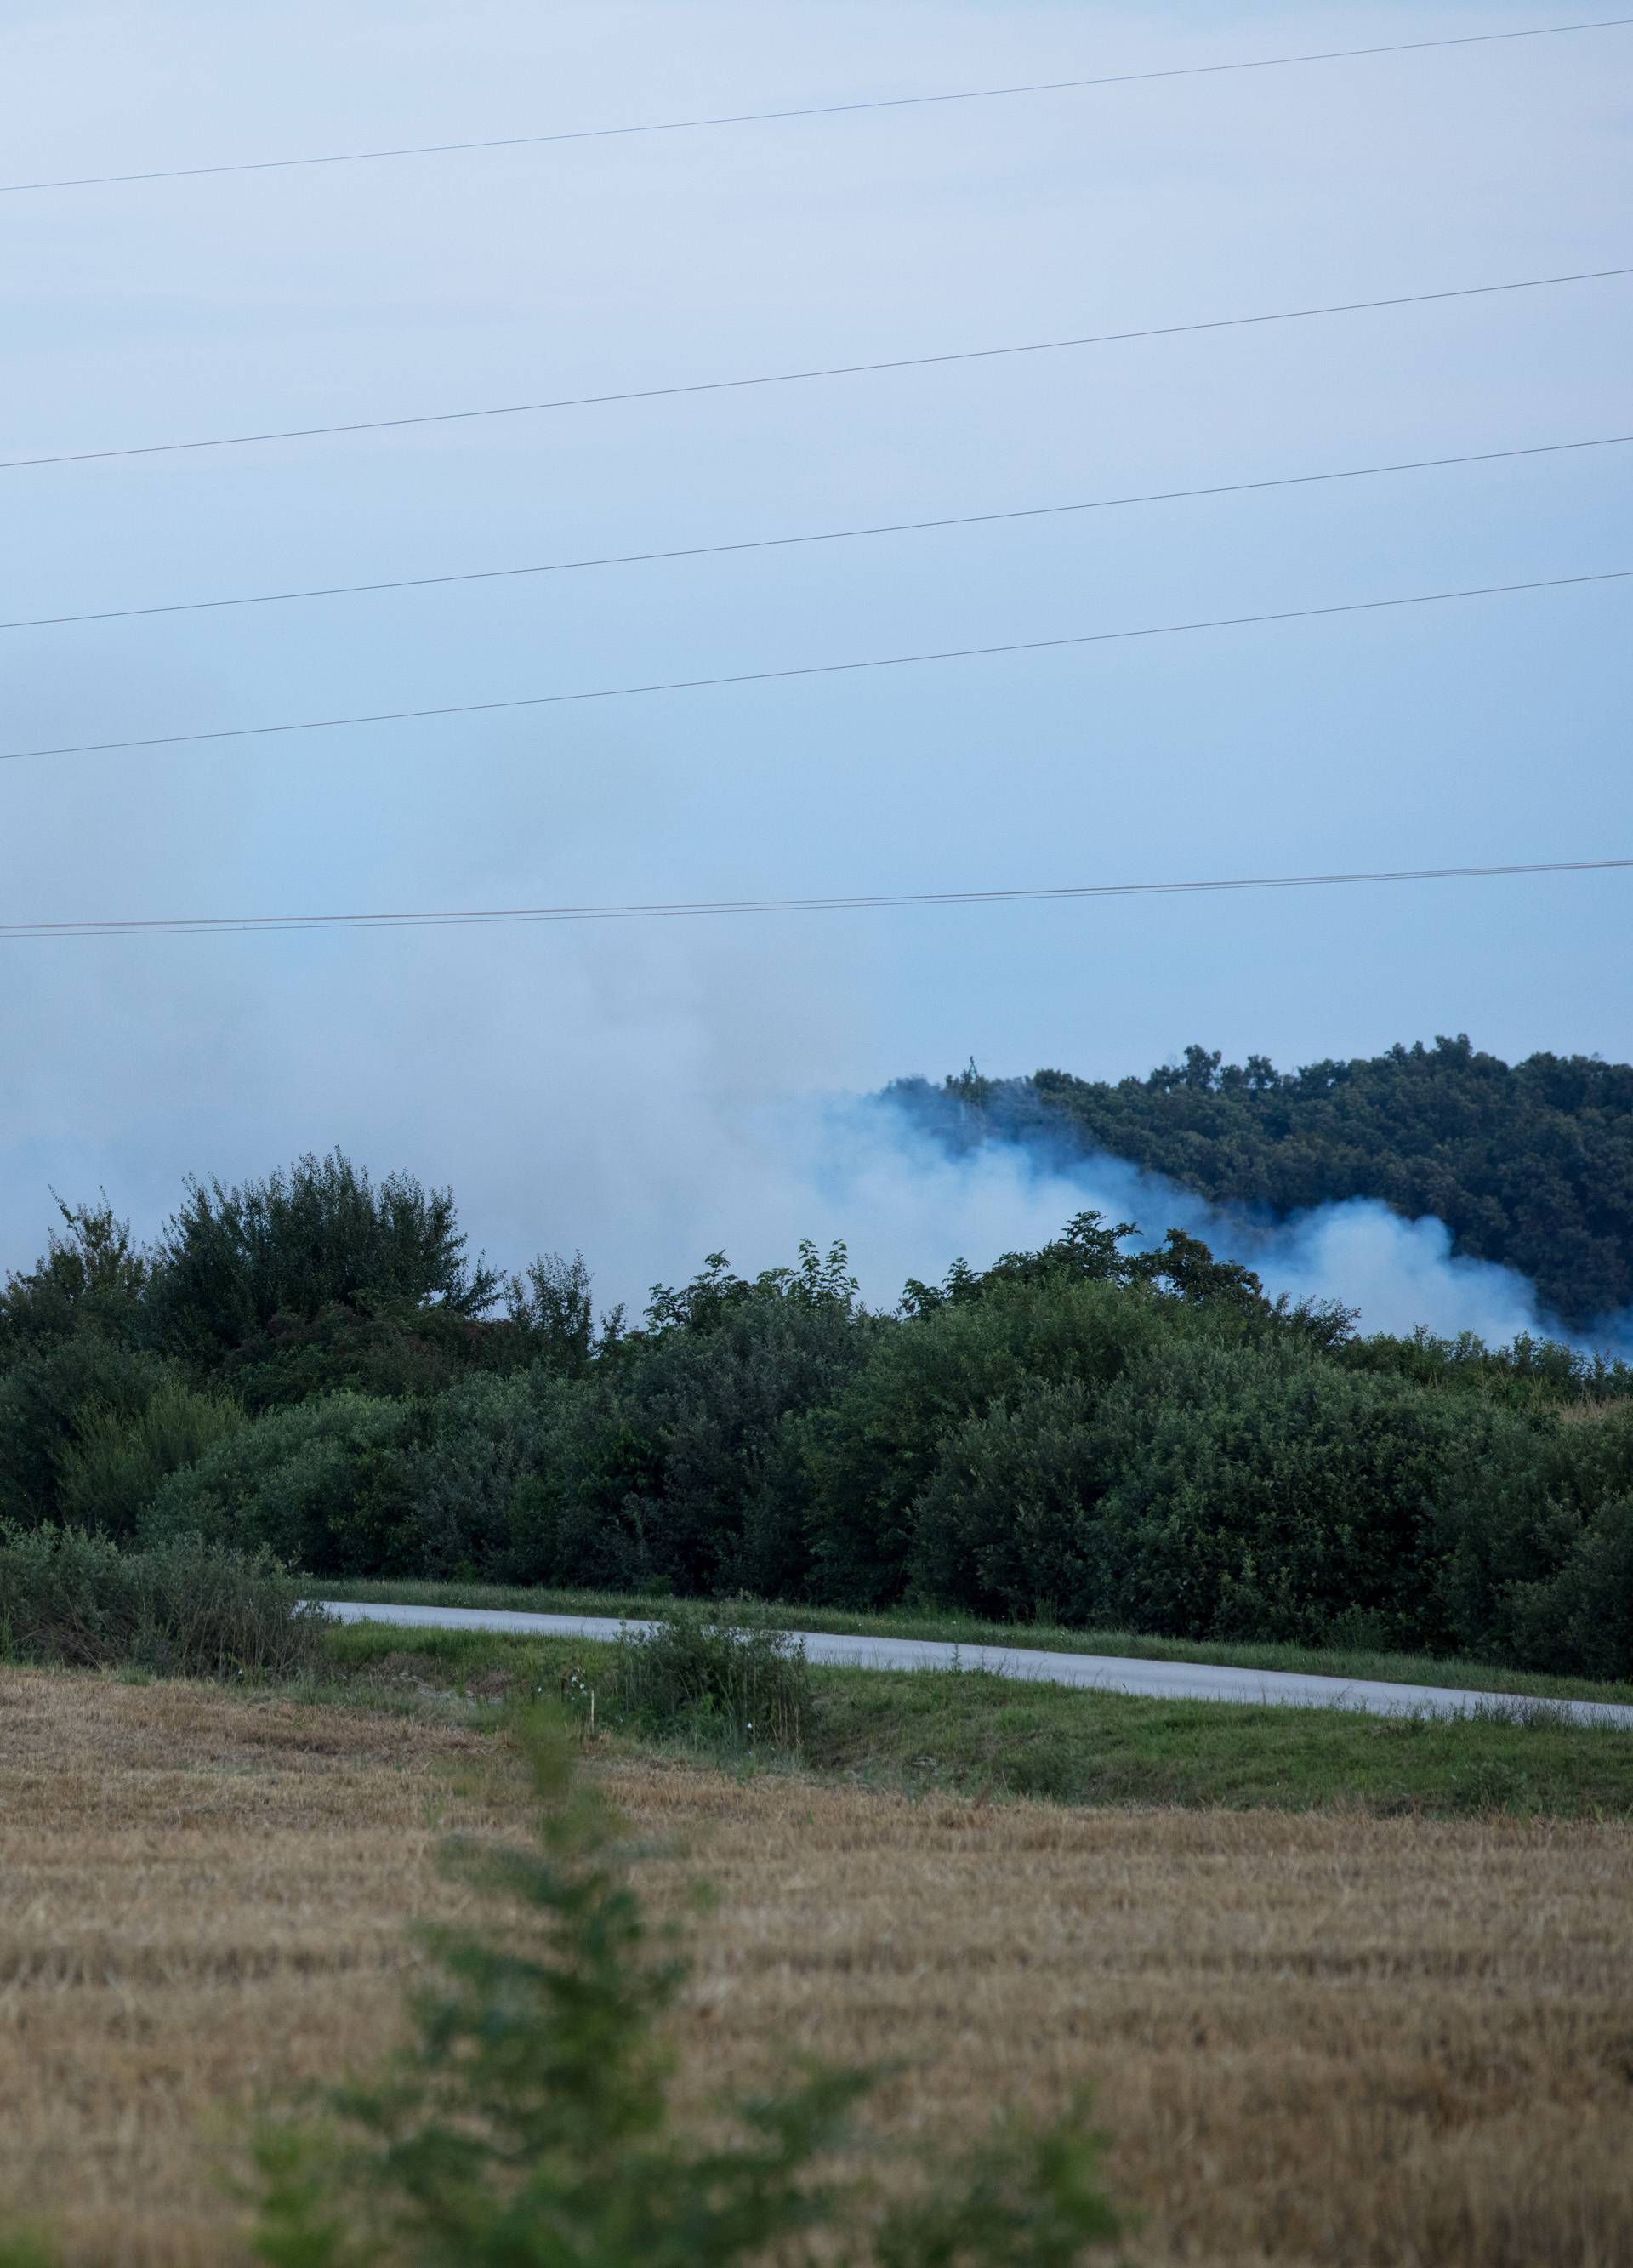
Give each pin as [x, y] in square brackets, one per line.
[24, 2252]
[529, 2123]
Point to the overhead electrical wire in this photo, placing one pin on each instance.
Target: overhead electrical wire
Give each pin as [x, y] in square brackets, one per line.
[820, 535]
[812, 110]
[801, 377]
[811, 669]
[493, 916]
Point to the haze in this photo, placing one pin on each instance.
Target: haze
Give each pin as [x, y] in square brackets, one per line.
[649, 1091]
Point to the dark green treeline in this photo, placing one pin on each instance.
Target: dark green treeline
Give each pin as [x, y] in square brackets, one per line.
[313, 1364]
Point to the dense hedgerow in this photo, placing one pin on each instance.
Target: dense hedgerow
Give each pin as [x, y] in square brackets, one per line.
[1087, 1432]
[183, 1610]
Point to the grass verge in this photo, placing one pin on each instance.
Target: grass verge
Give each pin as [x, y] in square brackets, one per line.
[935, 1732]
[965, 1629]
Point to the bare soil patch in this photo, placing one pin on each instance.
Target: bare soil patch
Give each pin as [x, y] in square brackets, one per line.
[1314, 2038]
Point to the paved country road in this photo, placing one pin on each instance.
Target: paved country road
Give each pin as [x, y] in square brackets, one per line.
[1172, 1680]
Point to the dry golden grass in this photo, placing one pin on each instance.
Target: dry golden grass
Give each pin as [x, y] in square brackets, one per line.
[1313, 2038]
[1590, 1413]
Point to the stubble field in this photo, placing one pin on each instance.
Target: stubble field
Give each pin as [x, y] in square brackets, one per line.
[1314, 2037]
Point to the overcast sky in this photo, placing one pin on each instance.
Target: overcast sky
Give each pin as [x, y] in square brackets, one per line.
[630, 1089]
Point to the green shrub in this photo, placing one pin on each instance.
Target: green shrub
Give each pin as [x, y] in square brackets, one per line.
[1590, 1452]
[1536, 1549]
[113, 1469]
[573, 1519]
[1579, 1619]
[1255, 1492]
[319, 1235]
[1004, 1526]
[381, 1346]
[529, 1477]
[550, 1306]
[91, 1278]
[681, 1463]
[875, 1450]
[318, 1485]
[45, 1398]
[735, 1684]
[480, 1443]
[1536, 1374]
[185, 1609]
[529, 2123]
[720, 1496]
[1084, 1431]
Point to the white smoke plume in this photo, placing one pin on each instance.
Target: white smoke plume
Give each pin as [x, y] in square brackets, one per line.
[864, 1171]
[635, 1124]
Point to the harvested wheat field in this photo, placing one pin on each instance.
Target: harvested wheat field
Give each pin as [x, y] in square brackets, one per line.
[1313, 2038]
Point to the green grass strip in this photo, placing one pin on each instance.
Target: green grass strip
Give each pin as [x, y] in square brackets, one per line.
[964, 1629]
[937, 1730]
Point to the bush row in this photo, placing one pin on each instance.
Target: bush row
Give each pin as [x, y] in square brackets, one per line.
[1070, 1451]
[1085, 1433]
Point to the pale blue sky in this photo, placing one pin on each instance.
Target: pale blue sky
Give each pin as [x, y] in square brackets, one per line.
[592, 1086]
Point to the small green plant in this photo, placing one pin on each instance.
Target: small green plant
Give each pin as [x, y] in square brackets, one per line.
[738, 1684]
[529, 2123]
[25, 2252]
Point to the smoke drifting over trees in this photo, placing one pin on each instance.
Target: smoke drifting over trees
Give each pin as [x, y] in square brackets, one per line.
[1529, 1168]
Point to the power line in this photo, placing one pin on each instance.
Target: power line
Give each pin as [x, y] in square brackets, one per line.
[495, 916]
[812, 669]
[822, 535]
[799, 377]
[809, 110]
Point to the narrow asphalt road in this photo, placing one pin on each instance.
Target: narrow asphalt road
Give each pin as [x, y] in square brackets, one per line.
[1172, 1680]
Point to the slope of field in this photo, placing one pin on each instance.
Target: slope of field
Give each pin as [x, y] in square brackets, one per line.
[1313, 2038]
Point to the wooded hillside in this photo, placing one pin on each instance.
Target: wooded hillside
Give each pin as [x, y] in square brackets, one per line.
[1529, 1164]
